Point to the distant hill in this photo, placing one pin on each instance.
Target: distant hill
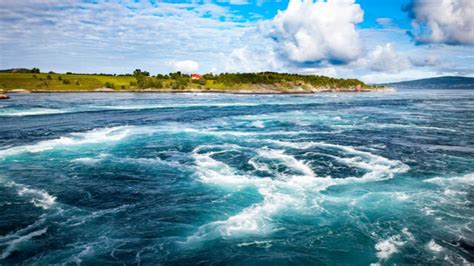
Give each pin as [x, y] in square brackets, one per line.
[448, 82]
[19, 70]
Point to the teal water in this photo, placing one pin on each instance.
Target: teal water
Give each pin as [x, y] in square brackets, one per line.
[325, 179]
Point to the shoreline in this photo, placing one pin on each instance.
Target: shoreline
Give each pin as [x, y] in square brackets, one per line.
[240, 92]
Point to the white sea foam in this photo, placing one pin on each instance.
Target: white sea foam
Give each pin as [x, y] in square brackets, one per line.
[378, 167]
[287, 191]
[408, 126]
[288, 160]
[408, 234]
[31, 112]
[258, 124]
[434, 247]
[90, 160]
[171, 105]
[15, 243]
[40, 198]
[263, 244]
[387, 247]
[95, 136]
[467, 179]
[87, 251]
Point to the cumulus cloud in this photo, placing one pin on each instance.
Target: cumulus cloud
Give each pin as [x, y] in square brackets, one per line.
[186, 66]
[385, 58]
[442, 21]
[309, 32]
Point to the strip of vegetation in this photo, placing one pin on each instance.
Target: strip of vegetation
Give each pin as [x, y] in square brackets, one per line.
[139, 80]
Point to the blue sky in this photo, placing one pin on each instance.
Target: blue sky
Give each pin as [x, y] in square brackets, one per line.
[376, 41]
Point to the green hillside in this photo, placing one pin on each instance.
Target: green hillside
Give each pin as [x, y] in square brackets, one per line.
[60, 82]
[142, 81]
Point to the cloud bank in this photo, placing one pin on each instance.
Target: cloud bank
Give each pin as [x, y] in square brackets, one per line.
[443, 21]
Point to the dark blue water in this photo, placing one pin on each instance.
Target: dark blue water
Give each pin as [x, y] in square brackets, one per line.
[237, 179]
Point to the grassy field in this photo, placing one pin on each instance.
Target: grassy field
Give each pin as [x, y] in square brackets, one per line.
[61, 82]
[87, 82]
[254, 82]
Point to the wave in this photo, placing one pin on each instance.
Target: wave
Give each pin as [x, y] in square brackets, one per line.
[31, 112]
[263, 244]
[467, 179]
[432, 246]
[164, 105]
[377, 167]
[289, 191]
[387, 247]
[14, 244]
[95, 136]
[90, 160]
[39, 198]
[389, 126]
[14, 240]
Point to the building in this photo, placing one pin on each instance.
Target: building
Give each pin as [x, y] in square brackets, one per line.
[196, 76]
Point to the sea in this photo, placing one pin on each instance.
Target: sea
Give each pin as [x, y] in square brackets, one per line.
[225, 179]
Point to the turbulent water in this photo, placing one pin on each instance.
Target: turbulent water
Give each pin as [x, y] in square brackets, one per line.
[237, 179]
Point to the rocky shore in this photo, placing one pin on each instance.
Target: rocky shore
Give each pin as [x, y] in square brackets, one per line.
[259, 89]
[3, 96]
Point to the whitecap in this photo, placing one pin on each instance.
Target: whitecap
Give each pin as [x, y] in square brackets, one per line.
[434, 247]
[387, 247]
[90, 160]
[40, 198]
[95, 136]
[171, 105]
[31, 112]
[258, 124]
[289, 191]
[378, 167]
[467, 179]
[15, 243]
[263, 244]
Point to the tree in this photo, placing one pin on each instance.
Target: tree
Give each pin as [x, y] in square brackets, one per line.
[109, 85]
[35, 70]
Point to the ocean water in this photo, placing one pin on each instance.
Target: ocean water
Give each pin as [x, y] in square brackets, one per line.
[324, 179]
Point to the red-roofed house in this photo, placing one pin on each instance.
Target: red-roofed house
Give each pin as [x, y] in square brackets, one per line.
[196, 76]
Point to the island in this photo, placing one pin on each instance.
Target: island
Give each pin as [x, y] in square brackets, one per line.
[32, 80]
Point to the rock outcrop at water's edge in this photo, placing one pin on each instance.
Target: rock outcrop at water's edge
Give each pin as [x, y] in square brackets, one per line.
[4, 96]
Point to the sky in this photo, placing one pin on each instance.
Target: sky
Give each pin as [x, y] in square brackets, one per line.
[372, 40]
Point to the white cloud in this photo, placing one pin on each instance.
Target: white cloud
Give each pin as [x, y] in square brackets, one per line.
[238, 2]
[443, 21]
[315, 32]
[247, 59]
[72, 35]
[385, 22]
[186, 66]
[385, 58]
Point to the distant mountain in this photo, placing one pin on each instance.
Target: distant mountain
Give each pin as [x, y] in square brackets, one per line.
[449, 82]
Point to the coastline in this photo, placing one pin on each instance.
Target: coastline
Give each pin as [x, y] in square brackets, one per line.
[243, 92]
